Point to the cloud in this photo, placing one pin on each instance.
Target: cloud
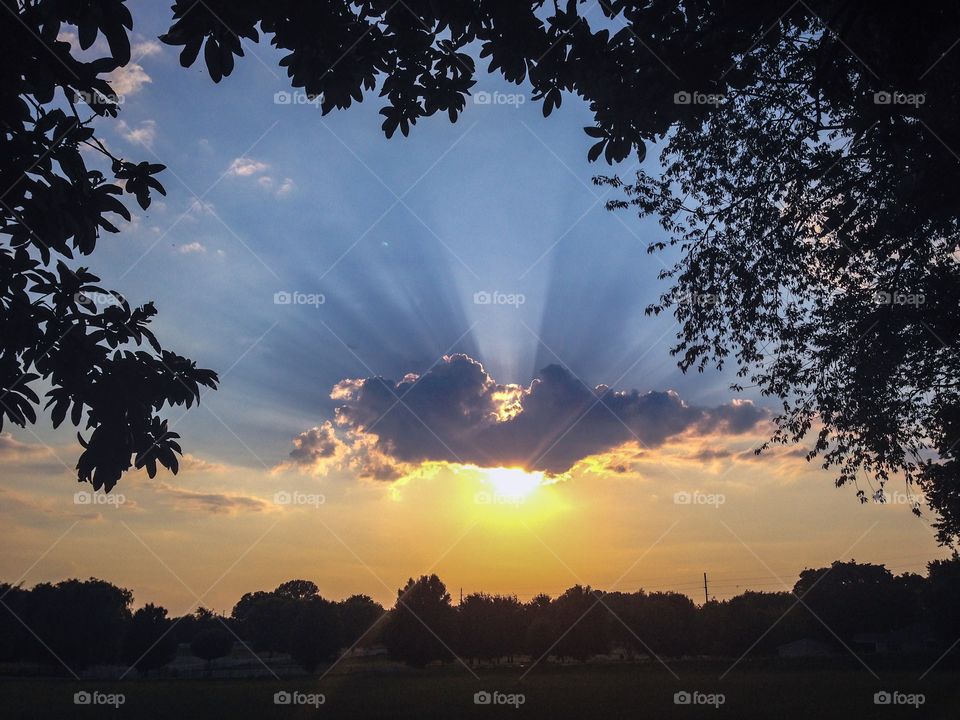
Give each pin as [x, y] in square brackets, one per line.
[13, 449]
[457, 413]
[246, 167]
[315, 443]
[190, 463]
[194, 247]
[145, 48]
[128, 79]
[144, 134]
[320, 449]
[268, 183]
[214, 502]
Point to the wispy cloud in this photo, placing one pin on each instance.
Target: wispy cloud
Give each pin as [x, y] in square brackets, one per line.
[192, 248]
[144, 134]
[246, 167]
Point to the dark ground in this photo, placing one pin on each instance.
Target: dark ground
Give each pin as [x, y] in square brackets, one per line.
[811, 691]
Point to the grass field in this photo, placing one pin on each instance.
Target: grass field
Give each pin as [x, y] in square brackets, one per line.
[614, 691]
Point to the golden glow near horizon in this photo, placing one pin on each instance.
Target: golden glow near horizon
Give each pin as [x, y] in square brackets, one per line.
[512, 484]
[621, 521]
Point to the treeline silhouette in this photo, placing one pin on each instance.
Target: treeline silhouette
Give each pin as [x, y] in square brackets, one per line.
[75, 624]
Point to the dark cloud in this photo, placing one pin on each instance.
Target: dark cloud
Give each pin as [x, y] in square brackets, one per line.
[314, 444]
[457, 413]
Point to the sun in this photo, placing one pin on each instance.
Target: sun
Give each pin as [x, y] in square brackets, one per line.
[512, 483]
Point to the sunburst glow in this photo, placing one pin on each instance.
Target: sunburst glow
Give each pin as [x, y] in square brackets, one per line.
[512, 483]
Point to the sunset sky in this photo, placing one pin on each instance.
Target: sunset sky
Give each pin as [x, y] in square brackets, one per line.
[305, 464]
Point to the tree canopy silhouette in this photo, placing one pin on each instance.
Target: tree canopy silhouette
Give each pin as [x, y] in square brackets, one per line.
[57, 325]
[808, 153]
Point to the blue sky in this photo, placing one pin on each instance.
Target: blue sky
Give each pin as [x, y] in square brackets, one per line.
[397, 235]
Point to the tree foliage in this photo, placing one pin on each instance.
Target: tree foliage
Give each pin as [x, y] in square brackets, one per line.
[149, 642]
[422, 625]
[105, 369]
[211, 644]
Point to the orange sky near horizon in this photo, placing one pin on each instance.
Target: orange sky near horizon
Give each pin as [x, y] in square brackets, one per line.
[625, 520]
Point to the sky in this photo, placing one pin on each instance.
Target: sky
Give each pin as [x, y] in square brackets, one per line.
[409, 335]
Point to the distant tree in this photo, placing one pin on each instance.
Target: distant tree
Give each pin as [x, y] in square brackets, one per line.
[851, 598]
[149, 643]
[538, 637]
[254, 616]
[14, 637]
[316, 632]
[422, 625]
[940, 595]
[297, 590]
[490, 626]
[211, 644]
[358, 613]
[267, 619]
[756, 621]
[82, 622]
[580, 624]
[189, 626]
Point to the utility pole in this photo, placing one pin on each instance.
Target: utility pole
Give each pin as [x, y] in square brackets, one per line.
[706, 597]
